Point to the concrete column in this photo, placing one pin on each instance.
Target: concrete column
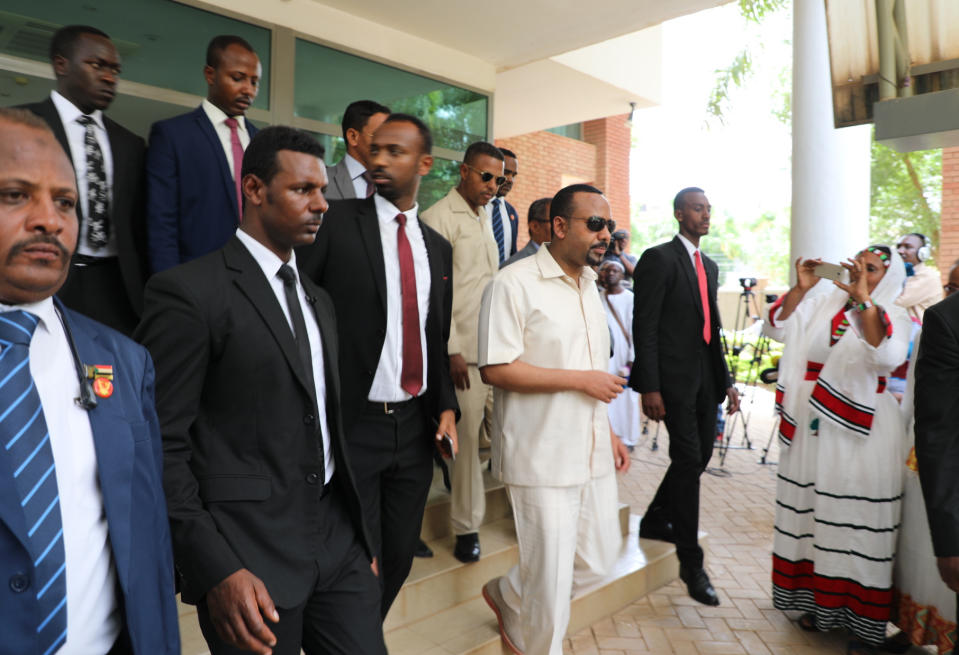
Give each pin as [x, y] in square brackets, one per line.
[830, 167]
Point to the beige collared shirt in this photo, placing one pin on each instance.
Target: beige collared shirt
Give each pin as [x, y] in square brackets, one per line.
[475, 261]
[922, 289]
[535, 313]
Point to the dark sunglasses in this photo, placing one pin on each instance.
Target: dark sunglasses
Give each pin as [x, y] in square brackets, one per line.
[487, 176]
[597, 223]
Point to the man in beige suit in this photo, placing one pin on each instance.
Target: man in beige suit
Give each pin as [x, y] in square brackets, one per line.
[544, 346]
[460, 217]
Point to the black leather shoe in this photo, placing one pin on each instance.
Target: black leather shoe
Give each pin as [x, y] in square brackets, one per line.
[699, 586]
[467, 548]
[422, 550]
[657, 531]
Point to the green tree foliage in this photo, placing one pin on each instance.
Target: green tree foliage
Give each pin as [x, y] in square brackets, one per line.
[740, 70]
[905, 195]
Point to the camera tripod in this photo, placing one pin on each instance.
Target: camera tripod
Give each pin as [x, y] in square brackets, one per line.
[747, 315]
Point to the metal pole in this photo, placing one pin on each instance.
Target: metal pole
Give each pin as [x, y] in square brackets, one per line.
[886, 29]
[903, 59]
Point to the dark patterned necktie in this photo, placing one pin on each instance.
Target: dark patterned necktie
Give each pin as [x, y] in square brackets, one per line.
[98, 198]
[498, 231]
[26, 442]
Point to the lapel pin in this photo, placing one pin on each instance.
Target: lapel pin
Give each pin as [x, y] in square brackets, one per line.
[102, 376]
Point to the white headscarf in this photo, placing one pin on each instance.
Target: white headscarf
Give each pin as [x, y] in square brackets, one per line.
[845, 391]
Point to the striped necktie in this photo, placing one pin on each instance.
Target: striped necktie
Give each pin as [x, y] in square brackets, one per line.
[498, 230]
[23, 432]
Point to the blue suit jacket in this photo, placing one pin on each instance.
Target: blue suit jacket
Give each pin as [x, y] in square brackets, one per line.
[191, 195]
[126, 438]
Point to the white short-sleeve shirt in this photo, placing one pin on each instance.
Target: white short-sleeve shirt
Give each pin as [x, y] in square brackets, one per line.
[533, 312]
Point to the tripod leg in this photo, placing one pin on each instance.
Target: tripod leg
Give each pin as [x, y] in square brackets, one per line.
[769, 442]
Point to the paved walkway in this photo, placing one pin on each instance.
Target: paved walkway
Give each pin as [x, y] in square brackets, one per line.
[737, 510]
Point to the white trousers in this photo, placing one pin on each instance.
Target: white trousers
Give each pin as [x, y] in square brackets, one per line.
[468, 495]
[568, 538]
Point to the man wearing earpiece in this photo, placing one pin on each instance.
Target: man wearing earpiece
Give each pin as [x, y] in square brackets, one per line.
[923, 286]
[84, 540]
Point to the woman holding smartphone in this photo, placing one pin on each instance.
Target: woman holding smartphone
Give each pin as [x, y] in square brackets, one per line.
[840, 476]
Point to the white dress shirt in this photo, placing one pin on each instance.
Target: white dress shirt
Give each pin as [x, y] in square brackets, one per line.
[690, 248]
[76, 137]
[270, 265]
[356, 170]
[218, 118]
[93, 617]
[386, 382]
[507, 228]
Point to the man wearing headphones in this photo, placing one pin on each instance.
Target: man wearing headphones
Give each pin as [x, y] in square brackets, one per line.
[923, 286]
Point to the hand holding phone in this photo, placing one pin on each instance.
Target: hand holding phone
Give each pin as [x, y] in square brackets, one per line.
[833, 272]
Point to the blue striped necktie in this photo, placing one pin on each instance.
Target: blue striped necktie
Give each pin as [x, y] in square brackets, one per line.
[498, 230]
[23, 431]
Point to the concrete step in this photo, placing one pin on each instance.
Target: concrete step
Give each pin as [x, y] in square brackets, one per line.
[470, 628]
[438, 582]
[436, 517]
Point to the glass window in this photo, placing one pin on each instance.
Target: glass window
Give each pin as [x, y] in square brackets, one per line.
[573, 131]
[328, 80]
[161, 43]
[444, 175]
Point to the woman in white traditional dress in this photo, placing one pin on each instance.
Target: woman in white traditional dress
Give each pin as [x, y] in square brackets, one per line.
[624, 414]
[841, 437]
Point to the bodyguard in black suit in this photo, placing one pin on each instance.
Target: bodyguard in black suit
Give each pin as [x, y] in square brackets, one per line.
[264, 512]
[390, 429]
[681, 373]
[937, 431]
[108, 270]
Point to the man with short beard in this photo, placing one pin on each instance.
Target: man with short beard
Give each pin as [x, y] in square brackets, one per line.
[461, 218]
[544, 346]
[194, 200]
[393, 320]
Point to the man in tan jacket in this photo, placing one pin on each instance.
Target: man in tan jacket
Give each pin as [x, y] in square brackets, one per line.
[460, 217]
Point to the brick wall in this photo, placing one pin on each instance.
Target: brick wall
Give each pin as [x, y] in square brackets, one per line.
[611, 136]
[548, 161]
[545, 162]
[949, 226]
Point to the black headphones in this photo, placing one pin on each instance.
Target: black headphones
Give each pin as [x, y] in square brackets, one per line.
[87, 399]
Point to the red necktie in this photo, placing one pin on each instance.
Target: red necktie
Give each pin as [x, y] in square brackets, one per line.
[411, 377]
[704, 297]
[233, 124]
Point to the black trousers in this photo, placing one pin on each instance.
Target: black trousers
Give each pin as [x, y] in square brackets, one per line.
[97, 291]
[691, 422]
[342, 613]
[392, 459]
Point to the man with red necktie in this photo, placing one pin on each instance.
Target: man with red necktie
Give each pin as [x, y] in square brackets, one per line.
[193, 165]
[681, 374]
[393, 309]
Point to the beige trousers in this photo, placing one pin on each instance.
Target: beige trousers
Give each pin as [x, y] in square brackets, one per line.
[568, 538]
[468, 495]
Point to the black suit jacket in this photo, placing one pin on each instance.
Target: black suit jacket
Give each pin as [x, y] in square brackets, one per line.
[668, 323]
[128, 204]
[347, 260]
[937, 422]
[243, 461]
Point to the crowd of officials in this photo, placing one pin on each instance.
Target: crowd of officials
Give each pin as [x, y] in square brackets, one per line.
[310, 341]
